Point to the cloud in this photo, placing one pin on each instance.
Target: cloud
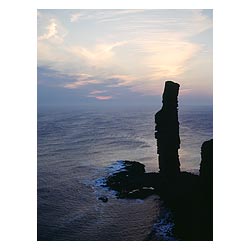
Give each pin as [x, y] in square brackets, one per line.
[81, 80]
[75, 17]
[100, 16]
[99, 55]
[49, 77]
[124, 80]
[102, 98]
[80, 83]
[95, 92]
[137, 49]
[55, 33]
[51, 31]
[110, 81]
[168, 58]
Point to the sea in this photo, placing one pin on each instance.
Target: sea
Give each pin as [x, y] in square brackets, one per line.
[79, 146]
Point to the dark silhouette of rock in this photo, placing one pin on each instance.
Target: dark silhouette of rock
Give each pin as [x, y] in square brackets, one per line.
[103, 199]
[132, 181]
[189, 196]
[206, 180]
[134, 167]
[167, 132]
[206, 166]
[127, 179]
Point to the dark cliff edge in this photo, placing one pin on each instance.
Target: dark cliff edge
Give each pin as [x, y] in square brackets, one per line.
[189, 196]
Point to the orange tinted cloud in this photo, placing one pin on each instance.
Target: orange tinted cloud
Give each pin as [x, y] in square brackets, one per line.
[102, 97]
[96, 92]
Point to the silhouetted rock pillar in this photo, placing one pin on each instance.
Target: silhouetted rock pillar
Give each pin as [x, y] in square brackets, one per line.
[167, 131]
[206, 166]
[206, 178]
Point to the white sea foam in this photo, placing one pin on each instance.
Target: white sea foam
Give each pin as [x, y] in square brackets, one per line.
[116, 167]
[163, 228]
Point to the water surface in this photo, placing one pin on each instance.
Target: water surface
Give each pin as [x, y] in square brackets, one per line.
[77, 147]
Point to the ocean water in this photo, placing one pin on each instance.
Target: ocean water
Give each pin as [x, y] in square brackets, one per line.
[78, 147]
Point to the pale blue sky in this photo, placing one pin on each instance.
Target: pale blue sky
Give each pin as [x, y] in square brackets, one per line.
[119, 56]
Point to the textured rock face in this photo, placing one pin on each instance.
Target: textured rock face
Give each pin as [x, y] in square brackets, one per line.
[167, 131]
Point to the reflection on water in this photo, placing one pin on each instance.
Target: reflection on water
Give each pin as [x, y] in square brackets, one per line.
[74, 149]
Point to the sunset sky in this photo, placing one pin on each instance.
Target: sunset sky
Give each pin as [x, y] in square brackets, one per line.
[123, 56]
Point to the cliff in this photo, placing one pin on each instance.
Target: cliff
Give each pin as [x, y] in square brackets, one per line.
[189, 196]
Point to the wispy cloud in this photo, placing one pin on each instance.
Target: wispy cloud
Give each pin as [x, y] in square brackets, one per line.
[138, 49]
[100, 54]
[80, 83]
[75, 17]
[100, 16]
[124, 80]
[103, 98]
[97, 92]
[99, 95]
[81, 80]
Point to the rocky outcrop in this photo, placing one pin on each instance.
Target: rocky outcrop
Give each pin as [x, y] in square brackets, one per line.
[206, 183]
[206, 166]
[132, 181]
[189, 196]
[167, 132]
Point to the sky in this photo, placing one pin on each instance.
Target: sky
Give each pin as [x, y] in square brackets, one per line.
[123, 57]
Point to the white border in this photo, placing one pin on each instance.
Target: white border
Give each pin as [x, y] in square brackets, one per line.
[18, 123]
[128, 4]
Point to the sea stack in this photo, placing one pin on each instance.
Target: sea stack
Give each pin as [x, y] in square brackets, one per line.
[167, 132]
[206, 167]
